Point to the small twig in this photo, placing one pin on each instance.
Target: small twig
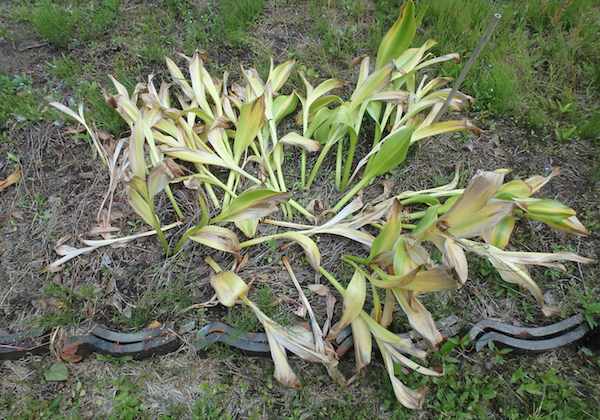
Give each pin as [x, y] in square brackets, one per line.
[33, 46]
[463, 74]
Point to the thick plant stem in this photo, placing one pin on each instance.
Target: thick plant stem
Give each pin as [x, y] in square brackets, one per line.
[359, 186]
[295, 205]
[173, 202]
[213, 264]
[230, 186]
[331, 279]
[338, 164]
[318, 163]
[260, 240]
[348, 163]
[211, 194]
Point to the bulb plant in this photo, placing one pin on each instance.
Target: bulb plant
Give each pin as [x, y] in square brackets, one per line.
[227, 140]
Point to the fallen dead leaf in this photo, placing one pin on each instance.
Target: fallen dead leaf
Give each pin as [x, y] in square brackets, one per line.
[11, 179]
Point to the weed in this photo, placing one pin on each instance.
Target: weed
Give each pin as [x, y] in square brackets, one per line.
[540, 50]
[60, 23]
[67, 305]
[65, 69]
[153, 47]
[18, 102]
[210, 404]
[127, 404]
[236, 17]
[56, 408]
[56, 24]
[100, 19]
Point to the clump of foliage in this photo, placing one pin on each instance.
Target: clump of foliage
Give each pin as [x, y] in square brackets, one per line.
[17, 101]
[544, 57]
[60, 22]
[228, 142]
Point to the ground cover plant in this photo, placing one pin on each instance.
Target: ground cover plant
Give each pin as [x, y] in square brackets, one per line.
[182, 137]
[533, 117]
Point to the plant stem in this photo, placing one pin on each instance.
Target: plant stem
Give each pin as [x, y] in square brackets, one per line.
[294, 204]
[349, 160]
[174, 202]
[332, 280]
[338, 164]
[360, 185]
[318, 163]
[213, 264]
[212, 195]
[260, 240]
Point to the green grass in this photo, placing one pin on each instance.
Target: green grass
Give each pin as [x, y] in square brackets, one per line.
[540, 56]
[127, 404]
[62, 22]
[97, 110]
[235, 19]
[18, 102]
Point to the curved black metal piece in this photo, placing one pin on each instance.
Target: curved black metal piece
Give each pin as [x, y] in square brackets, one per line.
[548, 337]
[155, 341]
[120, 337]
[139, 345]
[218, 332]
[525, 332]
[532, 345]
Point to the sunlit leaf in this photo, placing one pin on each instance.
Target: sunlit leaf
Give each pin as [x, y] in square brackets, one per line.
[399, 36]
[251, 204]
[217, 237]
[229, 287]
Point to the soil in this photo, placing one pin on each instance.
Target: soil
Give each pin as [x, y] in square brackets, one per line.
[57, 200]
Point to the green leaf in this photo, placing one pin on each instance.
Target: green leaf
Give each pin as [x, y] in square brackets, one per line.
[249, 124]
[58, 372]
[399, 37]
[252, 204]
[311, 250]
[384, 242]
[217, 237]
[373, 84]
[391, 154]
[284, 105]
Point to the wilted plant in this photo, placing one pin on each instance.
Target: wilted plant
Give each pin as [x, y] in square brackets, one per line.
[209, 133]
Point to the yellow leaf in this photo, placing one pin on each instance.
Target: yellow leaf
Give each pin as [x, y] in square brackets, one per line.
[354, 300]
[310, 248]
[229, 287]
[363, 345]
[217, 237]
[13, 178]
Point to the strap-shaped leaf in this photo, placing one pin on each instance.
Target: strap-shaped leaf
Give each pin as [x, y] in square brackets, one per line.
[399, 37]
[384, 242]
[217, 237]
[229, 287]
[373, 84]
[278, 75]
[354, 300]
[311, 250]
[294, 139]
[252, 204]
[391, 154]
[249, 123]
